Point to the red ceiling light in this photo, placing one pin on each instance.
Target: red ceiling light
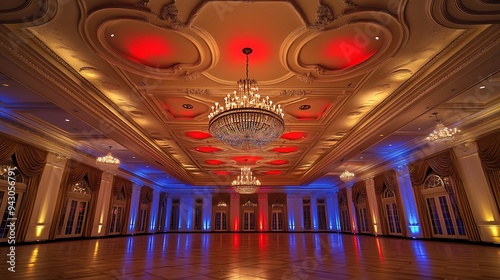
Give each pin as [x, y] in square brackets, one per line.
[207, 149]
[347, 52]
[278, 162]
[288, 149]
[273, 172]
[214, 161]
[220, 172]
[246, 159]
[148, 48]
[198, 135]
[294, 135]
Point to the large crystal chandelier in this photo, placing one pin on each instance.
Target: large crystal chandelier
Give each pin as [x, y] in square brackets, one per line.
[246, 121]
[108, 162]
[347, 176]
[246, 183]
[442, 134]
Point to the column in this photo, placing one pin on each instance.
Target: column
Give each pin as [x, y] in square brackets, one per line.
[352, 210]
[134, 208]
[234, 212]
[263, 212]
[100, 226]
[290, 205]
[186, 215]
[207, 212]
[405, 187]
[153, 216]
[372, 202]
[168, 214]
[45, 201]
[332, 206]
[314, 212]
[478, 192]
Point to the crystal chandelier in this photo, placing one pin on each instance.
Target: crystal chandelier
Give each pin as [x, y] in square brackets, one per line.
[246, 121]
[442, 134]
[108, 162]
[347, 176]
[246, 183]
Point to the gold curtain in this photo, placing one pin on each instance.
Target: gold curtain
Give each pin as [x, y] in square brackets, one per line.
[488, 148]
[31, 162]
[359, 188]
[444, 164]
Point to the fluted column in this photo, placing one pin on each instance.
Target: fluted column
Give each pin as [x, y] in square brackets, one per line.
[332, 206]
[314, 212]
[134, 209]
[153, 215]
[412, 219]
[45, 201]
[100, 226]
[186, 212]
[372, 202]
[478, 192]
[263, 212]
[234, 214]
[207, 212]
[352, 210]
[168, 213]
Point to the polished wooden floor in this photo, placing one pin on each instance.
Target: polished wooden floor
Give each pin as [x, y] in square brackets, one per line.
[253, 256]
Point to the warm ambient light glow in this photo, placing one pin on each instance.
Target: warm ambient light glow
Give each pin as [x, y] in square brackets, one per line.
[347, 176]
[246, 183]
[294, 135]
[245, 120]
[108, 162]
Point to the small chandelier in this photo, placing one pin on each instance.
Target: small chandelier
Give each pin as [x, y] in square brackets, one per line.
[442, 134]
[246, 121]
[108, 162]
[347, 176]
[246, 183]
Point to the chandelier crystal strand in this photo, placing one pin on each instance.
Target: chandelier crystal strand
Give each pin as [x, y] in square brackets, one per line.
[246, 183]
[246, 120]
[347, 176]
[442, 134]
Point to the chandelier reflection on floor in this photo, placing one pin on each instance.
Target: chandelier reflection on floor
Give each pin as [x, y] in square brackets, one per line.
[246, 183]
[246, 121]
[442, 134]
[108, 163]
[347, 176]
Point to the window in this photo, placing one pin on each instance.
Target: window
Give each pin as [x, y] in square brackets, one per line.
[277, 217]
[74, 212]
[174, 215]
[391, 212]
[143, 218]
[362, 214]
[344, 215]
[306, 209]
[442, 209]
[249, 216]
[198, 211]
[221, 217]
[117, 213]
[321, 214]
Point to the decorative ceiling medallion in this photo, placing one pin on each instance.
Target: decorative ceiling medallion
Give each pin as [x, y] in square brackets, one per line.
[288, 149]
[294, 135]
[207, 149]
[214, 161]
[198, 135]
[278, 162]
[247, 159]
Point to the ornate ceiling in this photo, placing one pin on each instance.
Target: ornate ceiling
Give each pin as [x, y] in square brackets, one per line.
[358, 81]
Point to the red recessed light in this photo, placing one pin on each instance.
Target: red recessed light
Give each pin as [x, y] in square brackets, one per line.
[294, 135]
[214, 161]
[198, 135]
[207, 149]
[148, 48]
[278, 162]
[220, 172]
[347, 52]
[247, 159]
[273, 172]
[288, 149]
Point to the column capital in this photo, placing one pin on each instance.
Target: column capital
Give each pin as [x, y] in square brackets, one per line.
[235, 196]
[262, 196]
[56, 160]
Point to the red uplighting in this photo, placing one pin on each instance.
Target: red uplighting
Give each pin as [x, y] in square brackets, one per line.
[220, 172]
[347, 52]
[261, 50]
[147, 49]
[294, 135]
[214, 161]
[207, 149]
[246, 159]
[273, 172]
[278, 162]
[198, 135]
[288, 149]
